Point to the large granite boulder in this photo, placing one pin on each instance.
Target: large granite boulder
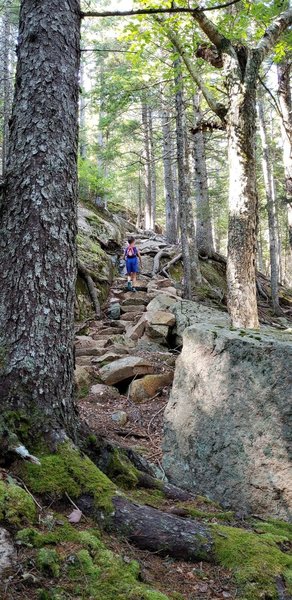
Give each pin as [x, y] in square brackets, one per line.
[188, 313]
[228, 423]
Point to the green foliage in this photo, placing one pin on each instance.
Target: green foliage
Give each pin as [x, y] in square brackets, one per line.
[91, 181]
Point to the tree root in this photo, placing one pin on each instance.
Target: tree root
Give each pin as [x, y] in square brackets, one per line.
[171, 262]
[154, 530]
[84, 273]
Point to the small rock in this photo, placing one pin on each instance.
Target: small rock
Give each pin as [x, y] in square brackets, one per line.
[83, 361]
[161, 317]
[157, 332]
[83, 376]
[102, 393]
[114, 311]
[133, 308]
[161, 302]
[124, 368]
[97, 350]
[131, 316]
[137, 330]
[120, 417]
[148, 386]
[7, 551]
[105, 358]
[84, 341]
[111, 330]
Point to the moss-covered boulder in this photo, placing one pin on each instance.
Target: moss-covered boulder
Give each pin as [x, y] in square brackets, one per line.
[99, 240]
[16, 505]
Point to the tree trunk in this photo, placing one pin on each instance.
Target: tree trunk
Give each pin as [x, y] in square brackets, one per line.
[243, 200]
[204, 232]
[6, 81]
[183, 191]
[101, 200]
[82, 115]
[152, 168]
[284, 94]
[170, 200]
[148, 224]
[271, 207]
[38, 221]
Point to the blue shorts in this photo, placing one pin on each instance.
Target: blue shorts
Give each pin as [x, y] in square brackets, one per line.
[132, 265]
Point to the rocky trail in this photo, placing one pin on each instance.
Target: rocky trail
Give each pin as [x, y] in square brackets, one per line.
[125, 366]
[125, 361]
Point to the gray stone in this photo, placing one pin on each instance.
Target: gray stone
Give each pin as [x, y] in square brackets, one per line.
[114, 311]
[136, 331]
[188, 313]
[120, 417]
[102, 393]
[108, 357]
[157, 332]
[228, 428]
[161, 317]
[7, 550]
[97, 350]
[125, 368]
[135, 298]
[135, 308]
[161, 302]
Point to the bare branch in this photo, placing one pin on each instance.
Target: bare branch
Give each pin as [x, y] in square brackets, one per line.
[272, 33]
[153, 11]
[218, 108]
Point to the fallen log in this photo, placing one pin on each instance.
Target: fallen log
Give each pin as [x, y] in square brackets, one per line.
[154, 530]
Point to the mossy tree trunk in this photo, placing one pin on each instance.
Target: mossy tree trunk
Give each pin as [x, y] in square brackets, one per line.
[38, 219]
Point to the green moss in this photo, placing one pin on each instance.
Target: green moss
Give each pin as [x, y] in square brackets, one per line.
[83, 391]
[69, 471]
[198, 513]
[214, 273]
[154, 498]
[47, 561]
[16, 505]
[176, 272]
[121, 470]
[88, 568]
[256, 560]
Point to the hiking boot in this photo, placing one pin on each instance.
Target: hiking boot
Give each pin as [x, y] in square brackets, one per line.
[134, 289]
[129, 286]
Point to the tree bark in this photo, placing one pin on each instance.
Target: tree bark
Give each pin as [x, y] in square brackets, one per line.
[148, 220]
[189, 251]
[154, 530]
[82, 115]
[204, 232]
[284, 95]
[6, 81]
[170, 199]
[271, 207]
[38, 220]
[243, 200]
[152, 167]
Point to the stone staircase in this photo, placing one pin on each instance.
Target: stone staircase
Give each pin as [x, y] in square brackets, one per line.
[128, 350]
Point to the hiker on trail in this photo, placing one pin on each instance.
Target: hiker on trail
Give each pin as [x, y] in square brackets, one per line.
[131, 256]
